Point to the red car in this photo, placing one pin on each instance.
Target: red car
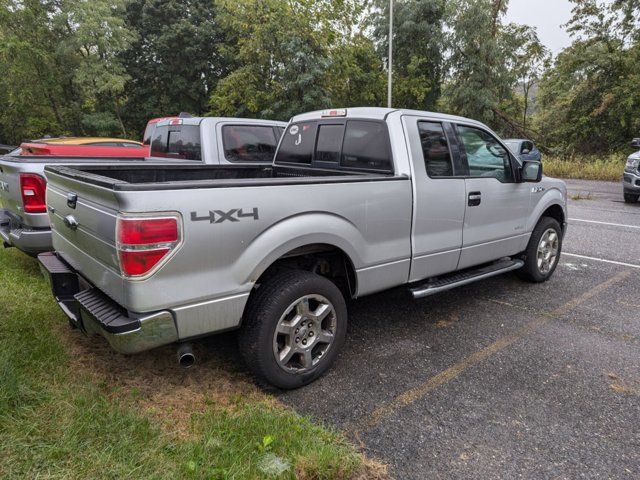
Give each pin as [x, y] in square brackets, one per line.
[84, 147]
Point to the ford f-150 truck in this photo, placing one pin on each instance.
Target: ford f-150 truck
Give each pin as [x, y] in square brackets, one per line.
[212, 141]
[356, 201]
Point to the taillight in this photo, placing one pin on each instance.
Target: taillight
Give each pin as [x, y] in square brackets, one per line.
[33, 189]
[144, 242]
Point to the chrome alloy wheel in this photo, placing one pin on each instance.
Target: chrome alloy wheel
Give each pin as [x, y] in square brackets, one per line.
[304, 333]
[548, 251]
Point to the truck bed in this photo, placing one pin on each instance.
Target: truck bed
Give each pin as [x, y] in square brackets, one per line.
[172, 177]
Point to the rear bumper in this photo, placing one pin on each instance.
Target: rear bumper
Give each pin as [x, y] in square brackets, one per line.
[631, 182]
[25, 239]
[95, 313]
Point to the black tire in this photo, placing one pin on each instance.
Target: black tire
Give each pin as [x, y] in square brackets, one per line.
[530, 272]
[631, 198]
[266, 306]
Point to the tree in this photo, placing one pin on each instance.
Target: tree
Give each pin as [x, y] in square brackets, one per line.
[36, 88]
[176, 61]
[487, 62]
[356, 76]
[60, 67]
[418, 63]
[96, 32]
[283, 56]
[589, 98]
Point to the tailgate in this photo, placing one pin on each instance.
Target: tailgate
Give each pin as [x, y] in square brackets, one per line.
[83, 224]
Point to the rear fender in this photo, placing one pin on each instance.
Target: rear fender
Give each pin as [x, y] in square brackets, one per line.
[293, 232]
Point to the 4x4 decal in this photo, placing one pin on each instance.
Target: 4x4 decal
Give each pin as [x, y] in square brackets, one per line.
[219, 216]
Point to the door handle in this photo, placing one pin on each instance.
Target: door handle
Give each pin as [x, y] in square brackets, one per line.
[475, 198]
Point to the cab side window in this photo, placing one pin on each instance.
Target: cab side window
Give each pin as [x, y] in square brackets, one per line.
[366, 146]
[435, 149]
[485, 155]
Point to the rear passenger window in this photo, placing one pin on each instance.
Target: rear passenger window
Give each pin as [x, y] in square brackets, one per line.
[247, 143]
[297, 143]
[435, 149]
[329, 143]
[179, 142]
[366, 146]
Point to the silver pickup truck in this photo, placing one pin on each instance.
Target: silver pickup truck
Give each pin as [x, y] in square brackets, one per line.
[631, 176]
[357, 201]
[212, 141]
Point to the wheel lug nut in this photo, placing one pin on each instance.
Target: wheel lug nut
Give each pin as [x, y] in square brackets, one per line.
[297, 330]
[311, 334]
[304, 342]
[297, 339]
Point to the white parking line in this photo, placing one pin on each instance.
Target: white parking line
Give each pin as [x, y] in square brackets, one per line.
[601, 260]
[604, 223]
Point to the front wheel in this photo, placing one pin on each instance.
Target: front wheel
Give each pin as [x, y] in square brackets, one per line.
[543, 251]
[293, 328]
[631, 197]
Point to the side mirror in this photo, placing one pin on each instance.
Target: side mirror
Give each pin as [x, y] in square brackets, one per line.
[525, 151]
[531, 171]
[635, 143]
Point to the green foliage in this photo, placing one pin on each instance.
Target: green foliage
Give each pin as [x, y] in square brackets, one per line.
[489, 60]
[64, 420]
[101, 67]
[418, 60]
[588, 99]
[586, 167]
[291, 57]
[176, 61]
[59, 62]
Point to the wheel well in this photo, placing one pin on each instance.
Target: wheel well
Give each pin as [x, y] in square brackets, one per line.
[326, 260]
[556, 212]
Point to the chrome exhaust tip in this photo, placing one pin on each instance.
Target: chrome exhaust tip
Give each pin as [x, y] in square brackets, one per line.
[186, 357]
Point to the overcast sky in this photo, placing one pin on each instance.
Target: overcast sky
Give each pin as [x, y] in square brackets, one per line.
[547, 16]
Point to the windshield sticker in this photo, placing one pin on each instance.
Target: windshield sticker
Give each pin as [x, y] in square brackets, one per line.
[299, 139]
[293, 130]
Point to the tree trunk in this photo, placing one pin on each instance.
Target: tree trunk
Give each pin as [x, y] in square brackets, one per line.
[117, 109]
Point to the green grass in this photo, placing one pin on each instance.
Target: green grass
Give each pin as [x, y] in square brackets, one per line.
[106, 418]
[607, 168]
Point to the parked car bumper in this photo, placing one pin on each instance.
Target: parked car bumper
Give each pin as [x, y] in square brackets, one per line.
[631, 182]
[32, 241]
[95, 313]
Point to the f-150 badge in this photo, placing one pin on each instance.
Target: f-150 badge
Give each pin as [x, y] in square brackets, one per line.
[219, 216]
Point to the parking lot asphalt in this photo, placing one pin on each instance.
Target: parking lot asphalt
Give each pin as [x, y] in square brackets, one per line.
[503, 379]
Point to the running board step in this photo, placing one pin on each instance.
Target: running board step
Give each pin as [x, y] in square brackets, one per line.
[458, 279]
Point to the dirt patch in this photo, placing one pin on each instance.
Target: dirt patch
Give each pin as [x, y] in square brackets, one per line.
[163, 389]
[622, 387]
[453, 318]
[171, 394]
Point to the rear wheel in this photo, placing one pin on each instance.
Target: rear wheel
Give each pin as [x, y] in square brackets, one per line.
[631, 197]
[543, 251]
[293, 329]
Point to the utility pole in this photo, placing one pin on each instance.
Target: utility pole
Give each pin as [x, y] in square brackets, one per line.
[390, 66]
